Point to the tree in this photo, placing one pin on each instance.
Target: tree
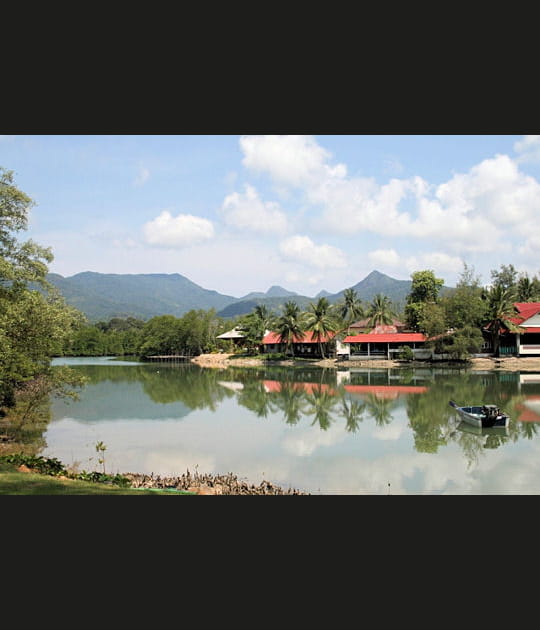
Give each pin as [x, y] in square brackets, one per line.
[500, 309]
[320, 322]
[34, 325]
[528, 290]
[506, 277]
[351, 308]
[289, 325]
[425, 288]
[464, 306]
[255, 324]
[380, 311]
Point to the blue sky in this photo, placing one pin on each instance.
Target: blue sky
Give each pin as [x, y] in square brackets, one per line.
[242, 213]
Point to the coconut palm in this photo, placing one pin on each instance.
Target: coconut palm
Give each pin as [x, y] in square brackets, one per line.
[351, 308]
[379, 311]
[289, 325]
[319, 321]
[500, 309]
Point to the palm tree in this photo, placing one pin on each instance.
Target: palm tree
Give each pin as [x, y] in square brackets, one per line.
[289, 325]
[320, 322]
[351, 308]
[501, 308]
[379, 311]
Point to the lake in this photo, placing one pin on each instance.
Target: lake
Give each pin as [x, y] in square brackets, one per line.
[323, 431]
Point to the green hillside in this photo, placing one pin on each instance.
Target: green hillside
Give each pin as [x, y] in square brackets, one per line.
[104, 296]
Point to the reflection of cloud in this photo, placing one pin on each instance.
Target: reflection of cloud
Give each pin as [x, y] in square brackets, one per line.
[307, 441]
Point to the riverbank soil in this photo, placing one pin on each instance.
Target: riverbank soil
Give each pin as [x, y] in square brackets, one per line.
[509, 364]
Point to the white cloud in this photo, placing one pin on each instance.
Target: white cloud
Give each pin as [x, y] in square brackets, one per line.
[528, 149]
[302, 249]
[248, 212]
[292, 160]
[390, 260]
[142, 176]
[180, 231]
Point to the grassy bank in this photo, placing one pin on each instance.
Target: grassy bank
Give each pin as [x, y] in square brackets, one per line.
[17, 479]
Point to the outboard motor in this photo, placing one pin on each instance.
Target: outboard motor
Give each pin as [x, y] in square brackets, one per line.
[491, 411]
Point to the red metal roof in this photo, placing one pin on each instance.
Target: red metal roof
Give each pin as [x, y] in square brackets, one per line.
[385, 338]
[273, 337]
[526, 311]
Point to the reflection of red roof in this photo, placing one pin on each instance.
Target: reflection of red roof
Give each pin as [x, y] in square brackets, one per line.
[527, 414]
[385, 338]
[385, 391]
[309, 388]
[273, 337]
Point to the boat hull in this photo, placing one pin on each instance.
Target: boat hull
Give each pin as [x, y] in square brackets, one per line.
[475, 416]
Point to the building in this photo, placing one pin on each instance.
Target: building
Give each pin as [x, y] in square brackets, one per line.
[306, 346]
[385, 345]
[527, 342]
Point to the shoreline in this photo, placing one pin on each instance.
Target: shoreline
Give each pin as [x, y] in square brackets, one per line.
[508, 364]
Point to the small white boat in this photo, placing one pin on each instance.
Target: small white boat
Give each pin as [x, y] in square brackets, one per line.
[483, 416]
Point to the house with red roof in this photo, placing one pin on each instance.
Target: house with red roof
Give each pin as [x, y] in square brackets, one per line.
[306, 346]
[526, 342]
[385, 345]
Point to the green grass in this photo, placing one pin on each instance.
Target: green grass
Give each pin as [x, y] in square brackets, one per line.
[18, 483]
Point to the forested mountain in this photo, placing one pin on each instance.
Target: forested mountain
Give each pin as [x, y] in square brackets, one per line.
[103, 296]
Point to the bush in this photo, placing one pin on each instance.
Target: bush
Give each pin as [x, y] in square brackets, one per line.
[406, 353]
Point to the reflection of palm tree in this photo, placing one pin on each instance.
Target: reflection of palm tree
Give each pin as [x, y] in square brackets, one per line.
[291, 401]
[379, 409]
[352, 411]
[255, 398]
[321, 403]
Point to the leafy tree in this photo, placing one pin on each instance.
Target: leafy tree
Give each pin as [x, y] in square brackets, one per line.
[350, 308]
[465, 306]
[506, 277]
[289, 325]
[255, 324]
[320, 322]
[500, 309]
[528, 290]
[34, 326]
[380, 311]
[425, 289]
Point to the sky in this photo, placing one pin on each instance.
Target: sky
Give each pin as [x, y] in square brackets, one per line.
[242, 213]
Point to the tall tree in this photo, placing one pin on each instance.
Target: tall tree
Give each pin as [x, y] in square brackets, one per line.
[380, 311]
[289, 325]
[351, 307]
[425, 289]
[320, 322]
[500, 309]
[34, 326]
[506, 277]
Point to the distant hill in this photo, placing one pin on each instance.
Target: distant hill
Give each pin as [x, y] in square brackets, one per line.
[104, 296]
[377, 282]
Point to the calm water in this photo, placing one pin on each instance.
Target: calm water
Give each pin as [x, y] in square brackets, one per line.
[351, 431]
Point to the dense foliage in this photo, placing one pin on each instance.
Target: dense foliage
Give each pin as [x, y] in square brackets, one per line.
[34, 325]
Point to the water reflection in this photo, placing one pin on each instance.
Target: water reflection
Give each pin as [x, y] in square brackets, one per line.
[367, 421]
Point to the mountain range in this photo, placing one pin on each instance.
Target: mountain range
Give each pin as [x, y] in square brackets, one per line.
[104, 296]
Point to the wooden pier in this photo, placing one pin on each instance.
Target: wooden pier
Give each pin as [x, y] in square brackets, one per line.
[169, 358]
